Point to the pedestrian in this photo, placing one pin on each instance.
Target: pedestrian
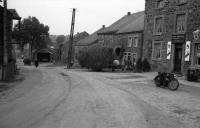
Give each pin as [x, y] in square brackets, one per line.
[36, 63]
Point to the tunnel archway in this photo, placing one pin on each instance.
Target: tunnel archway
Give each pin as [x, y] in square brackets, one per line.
[44, 55]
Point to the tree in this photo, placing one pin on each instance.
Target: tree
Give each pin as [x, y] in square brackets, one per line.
[96, 57]
[60, 39]
[32, 32]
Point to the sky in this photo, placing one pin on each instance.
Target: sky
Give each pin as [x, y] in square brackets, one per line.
[90, 15]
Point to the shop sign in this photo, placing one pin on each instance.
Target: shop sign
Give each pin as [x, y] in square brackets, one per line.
[178, 38]
[169, 49]
[187, 51]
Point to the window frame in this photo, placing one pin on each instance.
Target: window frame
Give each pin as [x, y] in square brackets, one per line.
[162, 21]
[181, 3]
[181, 13]
[153, 50]
[130, 43]
[133, 45]
[158, 2]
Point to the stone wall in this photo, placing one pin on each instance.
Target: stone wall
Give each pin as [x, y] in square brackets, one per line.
[169, 12]
[123, 40]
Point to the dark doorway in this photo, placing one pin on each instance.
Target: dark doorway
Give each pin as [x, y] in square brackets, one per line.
[178, 58]
[44, 57]
[117, 51]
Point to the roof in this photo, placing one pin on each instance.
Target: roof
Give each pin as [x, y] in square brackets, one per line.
[90, 39]
[14, 14]
[48, 50]
[128, 23]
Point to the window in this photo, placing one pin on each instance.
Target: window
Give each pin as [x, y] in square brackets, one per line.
[132, 41]
[182, 1]
[160, 4]
[135, 41]
[128, 56]
[158, 25]
[157, 50]
[180, 23]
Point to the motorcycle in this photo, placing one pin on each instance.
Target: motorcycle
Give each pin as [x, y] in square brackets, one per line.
[166, 80]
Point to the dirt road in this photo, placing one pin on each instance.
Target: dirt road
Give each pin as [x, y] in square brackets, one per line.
[59, 98]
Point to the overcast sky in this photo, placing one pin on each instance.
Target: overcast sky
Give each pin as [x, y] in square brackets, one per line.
[90, 16]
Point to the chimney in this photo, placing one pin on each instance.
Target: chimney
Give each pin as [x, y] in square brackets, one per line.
[129, 13]
[103, 26]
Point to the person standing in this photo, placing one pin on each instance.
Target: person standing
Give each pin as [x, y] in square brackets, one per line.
[36, 63]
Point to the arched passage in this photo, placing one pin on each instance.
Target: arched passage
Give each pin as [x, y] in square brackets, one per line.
[44, 55]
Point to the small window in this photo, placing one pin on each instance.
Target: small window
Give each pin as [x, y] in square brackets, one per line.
[157, 50]
[130, 40]
[158, 25]
[160, 4]
[180, 23]
[133, 41]
[181, 1]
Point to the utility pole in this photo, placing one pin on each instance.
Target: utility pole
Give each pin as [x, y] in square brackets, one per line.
[69, 59]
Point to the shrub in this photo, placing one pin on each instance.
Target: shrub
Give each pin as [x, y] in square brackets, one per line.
[146, 65]
[95, 57]
[139, 65]
[27, 61]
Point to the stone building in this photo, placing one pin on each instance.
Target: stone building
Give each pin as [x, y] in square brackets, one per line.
[8, 60]
[168, 34]
[125, 36]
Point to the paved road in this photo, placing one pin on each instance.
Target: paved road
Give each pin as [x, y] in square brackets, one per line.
[57, 98]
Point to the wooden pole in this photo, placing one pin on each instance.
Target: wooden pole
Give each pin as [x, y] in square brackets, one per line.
[69, 59]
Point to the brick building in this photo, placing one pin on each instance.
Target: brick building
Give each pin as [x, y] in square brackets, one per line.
[168, 34]
[125, 35]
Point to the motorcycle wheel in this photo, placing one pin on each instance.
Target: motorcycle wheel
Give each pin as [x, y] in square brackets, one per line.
[157, 81]
[173, 84]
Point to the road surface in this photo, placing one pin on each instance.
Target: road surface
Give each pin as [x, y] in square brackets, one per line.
[53, 97]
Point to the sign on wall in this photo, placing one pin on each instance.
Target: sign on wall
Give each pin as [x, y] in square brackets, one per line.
[187, 51]
[169, 50]
[178, 38]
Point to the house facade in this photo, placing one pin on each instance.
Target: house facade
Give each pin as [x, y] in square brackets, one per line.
[168, 34]
[125, 36]
[7, 53]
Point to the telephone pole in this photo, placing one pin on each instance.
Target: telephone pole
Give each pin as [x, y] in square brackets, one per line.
[69, 59]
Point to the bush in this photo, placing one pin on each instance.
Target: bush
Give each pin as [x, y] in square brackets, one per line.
[95, 57]
[27, 62]
[139, 65]
[146, 65]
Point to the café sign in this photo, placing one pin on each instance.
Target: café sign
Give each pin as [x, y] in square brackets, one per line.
[178, 38]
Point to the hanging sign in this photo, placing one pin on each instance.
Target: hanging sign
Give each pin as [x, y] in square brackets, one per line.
[187, 51]
[169, 50]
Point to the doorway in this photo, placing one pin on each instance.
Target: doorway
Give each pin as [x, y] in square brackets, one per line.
[178, 58]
